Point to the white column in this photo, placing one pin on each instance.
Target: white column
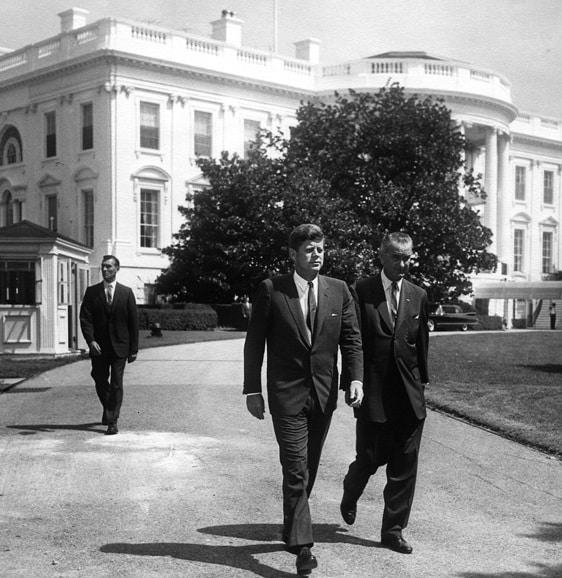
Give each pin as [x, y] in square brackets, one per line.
[504, 201]
[491, 214]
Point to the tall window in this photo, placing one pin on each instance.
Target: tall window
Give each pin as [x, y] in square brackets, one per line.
[251, 130]
[87, 126]
[88, 217]
[149, 218]
[518, 239]
[10, 146]
[203, 133]
[50, 134]
[520, 174]
[548, 188]
[17, 282]
[6, 209]
[547, 252]
[149, 125]
[52, 212]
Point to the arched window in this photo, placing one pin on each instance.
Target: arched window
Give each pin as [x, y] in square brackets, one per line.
[10, 147]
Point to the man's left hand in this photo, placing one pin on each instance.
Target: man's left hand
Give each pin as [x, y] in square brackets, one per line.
[354, 395]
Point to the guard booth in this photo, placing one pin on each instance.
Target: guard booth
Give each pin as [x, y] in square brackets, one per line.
[43, 276]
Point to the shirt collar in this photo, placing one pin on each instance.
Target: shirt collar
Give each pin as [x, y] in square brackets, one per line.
[106, 284]
[302, 284]
[387, 283]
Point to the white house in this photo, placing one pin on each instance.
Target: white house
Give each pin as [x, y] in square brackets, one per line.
[100, 127]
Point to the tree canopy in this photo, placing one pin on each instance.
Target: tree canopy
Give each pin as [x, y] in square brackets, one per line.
[358, 165]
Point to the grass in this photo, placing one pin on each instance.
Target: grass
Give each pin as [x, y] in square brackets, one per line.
[509, 382]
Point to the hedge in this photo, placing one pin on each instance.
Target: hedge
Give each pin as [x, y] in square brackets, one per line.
[488, 323]
[193, 318]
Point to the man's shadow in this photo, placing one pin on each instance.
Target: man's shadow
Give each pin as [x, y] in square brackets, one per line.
[242, 557]
[32, 429]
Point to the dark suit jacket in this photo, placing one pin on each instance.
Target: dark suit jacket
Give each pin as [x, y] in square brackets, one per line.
[407, 343]
[114, 327]
[293, 364]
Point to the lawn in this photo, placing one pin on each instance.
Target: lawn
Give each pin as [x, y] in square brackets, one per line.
[509, 382]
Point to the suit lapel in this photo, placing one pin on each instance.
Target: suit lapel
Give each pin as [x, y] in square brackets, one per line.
[323, 301]
[404, 305]
[293, 303]
[381, 304]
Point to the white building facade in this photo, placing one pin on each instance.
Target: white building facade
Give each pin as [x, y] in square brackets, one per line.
[100, 127]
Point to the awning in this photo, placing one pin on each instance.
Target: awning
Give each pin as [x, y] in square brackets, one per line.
[518, 290]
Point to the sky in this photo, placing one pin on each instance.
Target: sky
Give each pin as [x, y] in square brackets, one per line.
[519, 39]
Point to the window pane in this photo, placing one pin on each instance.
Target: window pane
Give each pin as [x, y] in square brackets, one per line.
[203, 133]
[150, 125]
[546, 252]
[50, 134]
[149, 218]
[251, 130]
[88, 208]
[17, 283]
[52, 213]
[520, 183]
[548, 187]
[518, 236]
[87, 126]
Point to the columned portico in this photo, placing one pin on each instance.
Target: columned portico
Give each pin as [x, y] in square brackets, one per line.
[491, 183]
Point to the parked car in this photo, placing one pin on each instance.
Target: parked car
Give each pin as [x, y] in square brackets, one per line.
[450, 316]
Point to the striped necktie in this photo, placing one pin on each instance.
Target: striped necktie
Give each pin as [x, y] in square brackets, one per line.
[109, 295]
[394, 302]
[311, 314]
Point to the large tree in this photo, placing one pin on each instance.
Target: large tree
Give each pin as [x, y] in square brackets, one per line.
[360, 165]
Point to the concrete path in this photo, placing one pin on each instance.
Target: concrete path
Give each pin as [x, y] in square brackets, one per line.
[191, 486]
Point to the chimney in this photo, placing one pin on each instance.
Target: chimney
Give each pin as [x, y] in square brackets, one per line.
[308, 49]
[72, 19]
[228, 29]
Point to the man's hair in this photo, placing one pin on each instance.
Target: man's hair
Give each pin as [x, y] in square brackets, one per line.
[115, 260]
[302, 233]
[400, 239]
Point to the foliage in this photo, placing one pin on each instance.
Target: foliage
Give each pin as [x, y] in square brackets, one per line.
[488, 323]
[193, 319]
[359, 166]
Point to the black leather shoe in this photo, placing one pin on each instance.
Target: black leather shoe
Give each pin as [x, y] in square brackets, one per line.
[112, 430]
[396, 543]
[348, 511]
[306, 562]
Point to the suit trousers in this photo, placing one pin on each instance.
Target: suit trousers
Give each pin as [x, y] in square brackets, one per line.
[107, 372]
[300, 438]
[395, 443]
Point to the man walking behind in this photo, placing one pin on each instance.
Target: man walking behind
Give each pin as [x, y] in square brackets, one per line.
[108, 318]
[303, 317]
[392, 314]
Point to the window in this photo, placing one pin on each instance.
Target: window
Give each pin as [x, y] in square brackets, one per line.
[518, 238]
[50, 134]
[63, 283]
[548, 188]
[6, 209]
[149, 125]
[88, 217]
[17, 283]
[149, 218]
[52, 212]
[520, 174]
[203, 133]
[11, 154]
[251, 131]
[87, 126]
[10, 146]
[547, 252]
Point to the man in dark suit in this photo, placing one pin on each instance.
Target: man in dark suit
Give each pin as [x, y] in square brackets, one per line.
[392, 314]
[108, 318]
[303, 317]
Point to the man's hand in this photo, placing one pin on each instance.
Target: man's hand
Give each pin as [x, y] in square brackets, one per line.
[256, 405]
[354, 395]
[132, 357]
[95, 349]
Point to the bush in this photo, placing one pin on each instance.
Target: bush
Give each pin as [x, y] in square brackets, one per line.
[519, 323]
[198, 318]
[488, 323]
[230, 315]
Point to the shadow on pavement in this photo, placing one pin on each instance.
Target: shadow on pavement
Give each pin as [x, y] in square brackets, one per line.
[542, 571]
[241, 557]
[545, 368]
[32, 429]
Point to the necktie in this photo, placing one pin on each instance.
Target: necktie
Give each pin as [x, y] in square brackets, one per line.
[109, 296]
[311, 315]
[394, 301]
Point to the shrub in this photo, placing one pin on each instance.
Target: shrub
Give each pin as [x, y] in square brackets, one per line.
[200, 318]
[519, 323]
[488, 323]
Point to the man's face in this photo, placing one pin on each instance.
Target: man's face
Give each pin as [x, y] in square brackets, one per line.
[396, 260]
[109, 270]
[308, 259]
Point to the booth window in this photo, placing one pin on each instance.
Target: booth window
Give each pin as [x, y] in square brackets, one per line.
[17, 283]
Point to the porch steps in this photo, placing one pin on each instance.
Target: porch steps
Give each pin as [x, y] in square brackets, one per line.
[543, 320]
